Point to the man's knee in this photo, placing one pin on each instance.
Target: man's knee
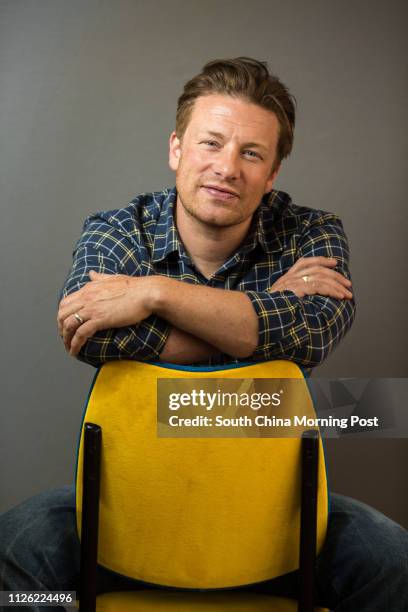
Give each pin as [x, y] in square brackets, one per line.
[35, 535]
[374, 544]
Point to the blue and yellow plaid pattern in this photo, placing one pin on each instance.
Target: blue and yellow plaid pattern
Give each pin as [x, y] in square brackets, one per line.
[142, 239]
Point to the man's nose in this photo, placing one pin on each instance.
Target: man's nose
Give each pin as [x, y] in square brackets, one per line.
[227, 164]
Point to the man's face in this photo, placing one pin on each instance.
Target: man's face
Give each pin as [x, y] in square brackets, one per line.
[225, 160]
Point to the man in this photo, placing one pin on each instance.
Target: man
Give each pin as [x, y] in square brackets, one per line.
[219, 269]
[249, 270]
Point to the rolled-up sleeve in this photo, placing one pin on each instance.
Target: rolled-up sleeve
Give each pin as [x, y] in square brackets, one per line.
[104, 249]
[306, 330]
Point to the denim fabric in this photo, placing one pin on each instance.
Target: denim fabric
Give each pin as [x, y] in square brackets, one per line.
[363, 566]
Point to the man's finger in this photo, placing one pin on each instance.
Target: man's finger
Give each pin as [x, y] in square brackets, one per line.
[314, 286]
[304, 262]
[67, 337]
[67, 311]
[326, 287]
[69, 329]
[322, 273]
[98, 276]
[82, 334]
[324, 279]
[66, 301]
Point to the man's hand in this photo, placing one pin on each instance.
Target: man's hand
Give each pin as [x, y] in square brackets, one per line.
[112, 301]
[108, 301]
[314, 275]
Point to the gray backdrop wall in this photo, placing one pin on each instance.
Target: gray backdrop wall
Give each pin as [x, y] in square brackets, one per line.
[87, 100]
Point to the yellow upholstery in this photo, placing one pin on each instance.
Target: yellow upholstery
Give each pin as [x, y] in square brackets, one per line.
[193, 512]
[155, 601]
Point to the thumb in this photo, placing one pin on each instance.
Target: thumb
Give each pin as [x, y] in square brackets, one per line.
[93, 275]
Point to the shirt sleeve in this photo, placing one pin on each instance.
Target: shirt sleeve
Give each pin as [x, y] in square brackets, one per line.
[306, 330]
[106, 250]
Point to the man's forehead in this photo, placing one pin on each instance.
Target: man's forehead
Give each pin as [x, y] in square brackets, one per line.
[212, 112]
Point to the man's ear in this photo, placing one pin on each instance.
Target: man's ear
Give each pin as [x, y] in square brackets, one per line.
[174, 151]
[271, 179]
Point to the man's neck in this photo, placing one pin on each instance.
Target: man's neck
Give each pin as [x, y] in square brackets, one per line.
[208, 246]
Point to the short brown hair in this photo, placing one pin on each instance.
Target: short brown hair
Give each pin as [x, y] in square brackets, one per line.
[246, 78]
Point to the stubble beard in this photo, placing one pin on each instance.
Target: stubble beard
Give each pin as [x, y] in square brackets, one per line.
[191, 211]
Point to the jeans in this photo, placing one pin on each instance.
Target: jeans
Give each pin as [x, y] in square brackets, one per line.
[362, 567]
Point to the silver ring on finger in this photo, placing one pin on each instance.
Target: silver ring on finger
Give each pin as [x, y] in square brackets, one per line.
[306, 278]
[78, 318]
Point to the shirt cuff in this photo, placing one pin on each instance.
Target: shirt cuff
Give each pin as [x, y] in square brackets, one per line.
[279, 320]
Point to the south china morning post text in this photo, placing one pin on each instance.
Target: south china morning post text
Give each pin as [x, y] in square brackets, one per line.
[210, 407]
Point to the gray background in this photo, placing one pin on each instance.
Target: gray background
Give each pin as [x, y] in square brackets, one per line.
[88, 92]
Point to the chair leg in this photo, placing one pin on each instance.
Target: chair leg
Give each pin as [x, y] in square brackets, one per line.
[308, 519]
[90, 517]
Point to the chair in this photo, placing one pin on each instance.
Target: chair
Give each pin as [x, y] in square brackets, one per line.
[202, 515]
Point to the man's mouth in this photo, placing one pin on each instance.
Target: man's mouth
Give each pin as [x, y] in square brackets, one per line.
[219, 192]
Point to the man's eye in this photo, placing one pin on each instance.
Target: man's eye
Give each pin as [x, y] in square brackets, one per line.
[254, 154]
[211, 143]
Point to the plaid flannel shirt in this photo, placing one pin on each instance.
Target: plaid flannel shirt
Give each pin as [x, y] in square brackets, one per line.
[142, 239]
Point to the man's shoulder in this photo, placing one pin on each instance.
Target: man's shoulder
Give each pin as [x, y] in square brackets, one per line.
[282, 215]
[280, 206]
[143, 211]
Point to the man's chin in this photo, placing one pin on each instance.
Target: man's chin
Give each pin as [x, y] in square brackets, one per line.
[213, 212]
[216, 215]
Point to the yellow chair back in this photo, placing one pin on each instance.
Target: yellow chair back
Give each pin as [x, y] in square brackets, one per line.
[196, 513]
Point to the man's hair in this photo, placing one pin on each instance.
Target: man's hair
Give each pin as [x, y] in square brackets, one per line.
[247, 78]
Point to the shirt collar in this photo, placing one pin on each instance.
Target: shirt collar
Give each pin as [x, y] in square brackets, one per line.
[265, 226]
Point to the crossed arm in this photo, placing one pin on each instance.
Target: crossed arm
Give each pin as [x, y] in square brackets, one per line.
[187, 323]
[223, 319]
